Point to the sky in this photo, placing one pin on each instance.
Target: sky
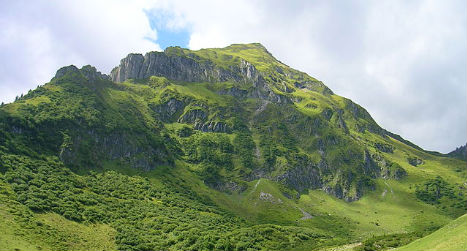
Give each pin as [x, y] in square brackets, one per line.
[404, 61]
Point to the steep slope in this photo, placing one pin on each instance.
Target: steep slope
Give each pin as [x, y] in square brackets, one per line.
[319, 124]
[229, 143]
[452, 237]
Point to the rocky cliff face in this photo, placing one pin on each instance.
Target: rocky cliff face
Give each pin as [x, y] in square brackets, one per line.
[180, 68]
[188, 68]
[88, 72]
[98, 147]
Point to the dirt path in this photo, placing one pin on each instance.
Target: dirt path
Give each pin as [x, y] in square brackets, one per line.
[306, 215]
[343, 248]
[389, 186]
[385, 190]
[254, 188]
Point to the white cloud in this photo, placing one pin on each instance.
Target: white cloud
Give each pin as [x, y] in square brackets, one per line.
[41, 36]
[405, 61]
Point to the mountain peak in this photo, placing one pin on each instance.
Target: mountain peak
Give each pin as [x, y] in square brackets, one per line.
[87, 72]
[236, 62]
[248, 46]
[460, 152]
[176, 63]
[66, 70]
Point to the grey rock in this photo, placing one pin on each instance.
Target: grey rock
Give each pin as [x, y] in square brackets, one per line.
[269, 198]
[397, 172]
[88, 72]
[193, 115]
[302, 178]
[167, 110]
[92, 74]
[234, 91]
[313, 86]
[415, 161]
[173, 67]
[389, 170]
[370, 167]
[115, 146]
[211, 126]
[460, 152]
[327, 113]
[130, 67]
[229, 187]
[66, 70]
[188, 69]
[262, 90]
[341, 121]
[387, 148]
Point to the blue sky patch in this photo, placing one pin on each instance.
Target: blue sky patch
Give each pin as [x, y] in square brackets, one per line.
[167, 36]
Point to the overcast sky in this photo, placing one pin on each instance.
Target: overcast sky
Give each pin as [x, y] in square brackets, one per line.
[404, 61]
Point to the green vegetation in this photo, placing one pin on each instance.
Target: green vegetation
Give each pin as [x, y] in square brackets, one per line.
[440, 193]
[157, 164]
[450, 237]
[384, 242]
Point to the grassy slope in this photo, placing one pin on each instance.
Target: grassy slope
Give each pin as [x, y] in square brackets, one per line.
[20, 229]
[452, 237]
[397, 211]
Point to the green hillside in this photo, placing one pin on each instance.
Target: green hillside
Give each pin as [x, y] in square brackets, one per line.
[215, 149]
[453, 237]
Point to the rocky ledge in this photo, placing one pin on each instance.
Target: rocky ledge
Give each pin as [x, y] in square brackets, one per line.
[180, 67]
[188, 68]
[88, 72]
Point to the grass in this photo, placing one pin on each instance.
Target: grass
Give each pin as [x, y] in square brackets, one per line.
[452, 237]
[375, 214]
[199, 91]
[13, 236]
[22, 230]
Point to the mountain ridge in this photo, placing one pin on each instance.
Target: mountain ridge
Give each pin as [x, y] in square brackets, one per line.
[182, 65]
[229, 137]
[460, 152]
[135, 61]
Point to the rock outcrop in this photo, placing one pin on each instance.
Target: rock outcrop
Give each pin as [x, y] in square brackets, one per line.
[211, 126]
[302, 178]
[168, 111]
[119, 146]
[383, 147]
[88, 72]
[193, 115]
[460, 152]
[415, 161]
[187, 68]
[180, 68]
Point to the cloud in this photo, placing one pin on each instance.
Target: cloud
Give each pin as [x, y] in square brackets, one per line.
[41, 36]
[405, 61]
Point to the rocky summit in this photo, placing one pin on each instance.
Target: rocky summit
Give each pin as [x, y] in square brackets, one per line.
[214, 149]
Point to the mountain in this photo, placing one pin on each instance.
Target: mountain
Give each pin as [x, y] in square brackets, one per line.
[460, 152]
[224, 148]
